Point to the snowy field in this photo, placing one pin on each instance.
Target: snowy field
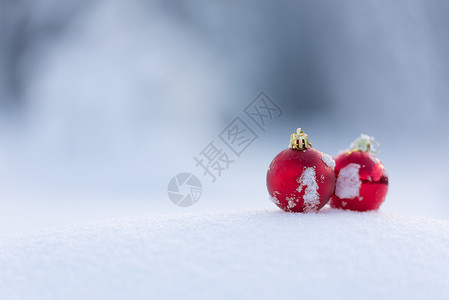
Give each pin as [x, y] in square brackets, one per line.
[251, 254]
[103, 102]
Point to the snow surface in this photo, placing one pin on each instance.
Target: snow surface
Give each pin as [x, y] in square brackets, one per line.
[261, 254]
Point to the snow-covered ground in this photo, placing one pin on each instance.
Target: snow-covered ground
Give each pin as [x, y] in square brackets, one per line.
[111, 100]
[107, 90]
[250, 254]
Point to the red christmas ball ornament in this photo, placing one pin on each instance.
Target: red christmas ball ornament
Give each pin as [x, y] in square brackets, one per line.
[362, 182]
[301, 178]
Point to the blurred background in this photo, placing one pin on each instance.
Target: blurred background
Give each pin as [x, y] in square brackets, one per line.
[103, 102]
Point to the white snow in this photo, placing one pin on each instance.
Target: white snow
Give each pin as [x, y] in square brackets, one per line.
[348, 182]
[274, 198]
[292, 201]
[374, 159]
[311, 196]
[265, 254]
[328, 160]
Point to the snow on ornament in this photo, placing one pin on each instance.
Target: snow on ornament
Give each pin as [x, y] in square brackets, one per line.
[362, 182]
[301, 178]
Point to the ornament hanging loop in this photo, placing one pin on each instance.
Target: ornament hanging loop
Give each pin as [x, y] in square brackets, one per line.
[365, 143]
[299, 140]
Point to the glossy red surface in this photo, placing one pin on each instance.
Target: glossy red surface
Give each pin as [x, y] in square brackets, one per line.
[286, 187]
[373, 178]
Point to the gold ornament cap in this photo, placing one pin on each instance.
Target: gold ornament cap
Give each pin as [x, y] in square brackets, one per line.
[365, 143]
[299, 140]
